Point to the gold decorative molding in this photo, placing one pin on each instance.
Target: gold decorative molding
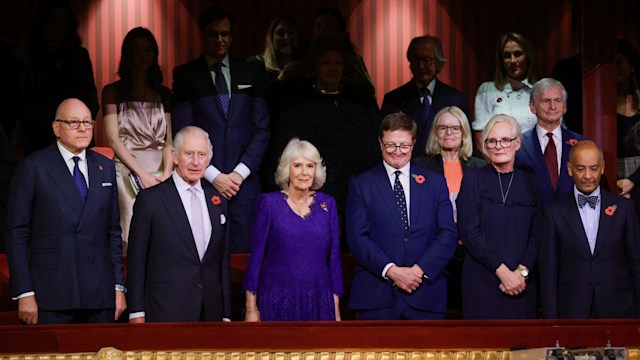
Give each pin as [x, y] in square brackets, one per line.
[110, 353]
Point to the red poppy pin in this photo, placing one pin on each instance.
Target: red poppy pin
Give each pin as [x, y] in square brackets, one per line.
[323, 206]
[418, 178]
[100, 167]
[572, 142]
[499, 100]
[215, 200]
[610, 210]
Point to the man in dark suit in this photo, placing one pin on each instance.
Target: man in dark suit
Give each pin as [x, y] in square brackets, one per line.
[178, 260]
[426, 60]
[218, 95]
[545, 148]
[400, 230]
[63, 233]
[590, 247]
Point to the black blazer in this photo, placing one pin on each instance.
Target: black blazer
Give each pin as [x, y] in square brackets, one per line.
[572, 278]
[166, 278]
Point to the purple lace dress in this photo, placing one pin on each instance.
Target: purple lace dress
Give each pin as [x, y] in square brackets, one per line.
[294, 264]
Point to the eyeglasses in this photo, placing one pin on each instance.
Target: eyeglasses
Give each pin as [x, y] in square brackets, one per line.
[75, 124]
[391, 147]
[427, 60]
[492, 143]
[443, 129]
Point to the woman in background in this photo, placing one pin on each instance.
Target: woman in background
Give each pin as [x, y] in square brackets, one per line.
[137, 117]
[294, 270]
[509, 91]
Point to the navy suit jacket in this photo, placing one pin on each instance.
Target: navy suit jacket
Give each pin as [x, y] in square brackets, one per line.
[67, 252]
[406, 98]
[243, 136]
[530, 156]
[377, 237]
[166, 278]
[572, 277]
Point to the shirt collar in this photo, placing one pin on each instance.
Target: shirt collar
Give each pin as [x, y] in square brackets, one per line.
[595, 192]
[391, 170]
[182, 185]
[431, 86]
[68, 155]
[211, 61]
[526, 85]
[542, 133]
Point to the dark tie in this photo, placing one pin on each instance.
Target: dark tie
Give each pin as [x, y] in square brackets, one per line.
[426, 104]
[551, 158]
[197, 223]
[222, 89]
[79, 179]
[591, 200]
[398, 190]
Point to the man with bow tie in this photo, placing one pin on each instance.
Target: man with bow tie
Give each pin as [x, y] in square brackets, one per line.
[590, 247]
[178, 259]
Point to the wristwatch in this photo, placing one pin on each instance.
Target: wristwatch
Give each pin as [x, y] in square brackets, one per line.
[523, 271]
[121, 288]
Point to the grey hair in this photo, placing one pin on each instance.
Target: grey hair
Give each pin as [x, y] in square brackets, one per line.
[544, 84]
[178, 140]
[304, 149]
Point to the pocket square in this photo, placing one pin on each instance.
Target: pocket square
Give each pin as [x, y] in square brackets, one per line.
[240, 87]
[106, 184]
[223, 219]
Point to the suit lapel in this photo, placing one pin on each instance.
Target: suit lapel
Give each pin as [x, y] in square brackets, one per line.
[386, 193]
[215, 218]
[416, 191]
[605, 221]
[531, 147]
[564, 178]
[572, 217]
[175, 209]
[61, 176]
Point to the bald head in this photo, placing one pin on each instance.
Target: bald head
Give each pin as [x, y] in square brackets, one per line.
[586, 166]
[69, 113]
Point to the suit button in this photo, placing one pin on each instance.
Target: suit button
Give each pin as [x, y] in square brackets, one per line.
[406, 239]
[200, 286]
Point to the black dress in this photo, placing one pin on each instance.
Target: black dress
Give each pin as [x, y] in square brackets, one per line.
[492, 233]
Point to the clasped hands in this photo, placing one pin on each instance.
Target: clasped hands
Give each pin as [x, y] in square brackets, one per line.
[512, 282]
[408, 279]
[228, 185]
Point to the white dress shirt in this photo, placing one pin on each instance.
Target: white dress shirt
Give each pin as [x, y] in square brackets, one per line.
[590, 217]
[557, 139]
[212, 172]
[404, 177]
[68, 160]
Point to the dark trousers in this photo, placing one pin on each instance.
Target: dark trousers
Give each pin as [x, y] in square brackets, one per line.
[400, 311]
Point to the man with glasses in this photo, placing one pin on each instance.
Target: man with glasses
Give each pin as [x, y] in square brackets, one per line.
[63, 231]
[424, 95]
[218, 94]
[400, 230]
[545, 148]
